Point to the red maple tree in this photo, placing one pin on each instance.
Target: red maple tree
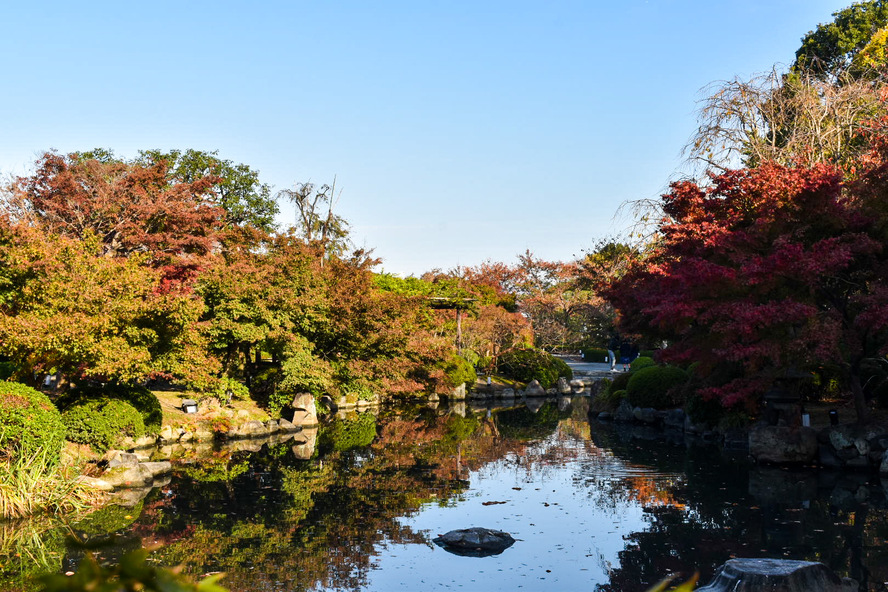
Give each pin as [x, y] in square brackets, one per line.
[763, 270]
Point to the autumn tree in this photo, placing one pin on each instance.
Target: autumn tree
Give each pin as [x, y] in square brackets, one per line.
[247, 201]
[762, 270]
[131, 208]
[65, 309]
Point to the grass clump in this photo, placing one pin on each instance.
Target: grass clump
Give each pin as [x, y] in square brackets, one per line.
[37, 484]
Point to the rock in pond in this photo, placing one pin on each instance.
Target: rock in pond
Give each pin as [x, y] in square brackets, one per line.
[475, 541]
[777, 575]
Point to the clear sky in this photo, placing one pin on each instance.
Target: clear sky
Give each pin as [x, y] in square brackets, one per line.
[458, 130]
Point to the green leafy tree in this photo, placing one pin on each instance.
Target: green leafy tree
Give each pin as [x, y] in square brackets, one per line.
[245, 199]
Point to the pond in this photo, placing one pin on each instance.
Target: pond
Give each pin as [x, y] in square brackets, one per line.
[593, 506]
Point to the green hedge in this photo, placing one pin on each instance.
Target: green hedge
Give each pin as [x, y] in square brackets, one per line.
[29, 423]
[651, 386]
[102, 423]
[525, 365]
[138, 396]
[595, 355]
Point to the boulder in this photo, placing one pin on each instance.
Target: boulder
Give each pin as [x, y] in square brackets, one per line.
[577, 385]
[777, 575]
[508, 393]
[563, 386]
[249, 429]
[459, 393]
[305, 412]
[141, 475]
[93, 483]
[534, 389]
[475, 541]
[287, 427]
[624, 412]
[783, 444]
[118, 458]
[674, 418]
[304, 446]
[646, 415]
[273, 426]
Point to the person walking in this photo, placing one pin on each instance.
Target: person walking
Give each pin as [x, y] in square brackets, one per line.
[625, 355]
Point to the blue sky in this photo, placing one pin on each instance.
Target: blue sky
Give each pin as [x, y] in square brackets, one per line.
[458, 131]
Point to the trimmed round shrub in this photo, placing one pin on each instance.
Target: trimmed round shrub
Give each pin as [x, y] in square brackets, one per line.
[29, 424]
[102, 423]
[642, 362]
[595, 355]
[138, 396]
[651, 386]
[459, 371]
[525, 365]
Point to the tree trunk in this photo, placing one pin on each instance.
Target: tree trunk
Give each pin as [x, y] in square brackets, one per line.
[860, 405]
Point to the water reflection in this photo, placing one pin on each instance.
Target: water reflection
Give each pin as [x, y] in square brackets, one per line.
[355, 505]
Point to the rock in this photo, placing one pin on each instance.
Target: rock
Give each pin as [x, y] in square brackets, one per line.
[624, 412]
[305, 445]
[883, 468]
[166, 434]
[534, 389]
[272, 426]
[777, 575]
[841, 437]
[458, 393]
[186, 436]
[243, 413]
[475, 541]
[646, 415]
[562, 386]
[250, 429]
[577, 386]
[287, 427]
[138, 476]
[508, 393]
[118, 458]
[782, 444]
[862, 446]
[551, 392]
[204, 435]
[674, 418]
[434, 398]
[827, 457]
[847, 454]
[93, 483]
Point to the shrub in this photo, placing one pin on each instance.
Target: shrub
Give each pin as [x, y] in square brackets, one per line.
[525, 365]
[142, 399]
[596, 355]
[620, 382]
[651, 386]
[29, 423]
[608, 400]
[102, 423]
[459, 371]
[642, 362]
[7, 369]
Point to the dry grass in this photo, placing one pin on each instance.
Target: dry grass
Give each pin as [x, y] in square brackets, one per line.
[33, 485]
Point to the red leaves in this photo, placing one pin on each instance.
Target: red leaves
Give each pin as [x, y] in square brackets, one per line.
[763, 269]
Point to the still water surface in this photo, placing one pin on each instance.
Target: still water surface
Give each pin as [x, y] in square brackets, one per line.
[594, 506]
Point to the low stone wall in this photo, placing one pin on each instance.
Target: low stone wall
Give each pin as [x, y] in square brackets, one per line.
[843, 447]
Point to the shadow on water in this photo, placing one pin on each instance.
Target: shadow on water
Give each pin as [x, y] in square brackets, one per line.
[355, 506]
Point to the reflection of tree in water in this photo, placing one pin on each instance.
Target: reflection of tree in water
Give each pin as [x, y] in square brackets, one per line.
[721, 510]
[299, 525]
